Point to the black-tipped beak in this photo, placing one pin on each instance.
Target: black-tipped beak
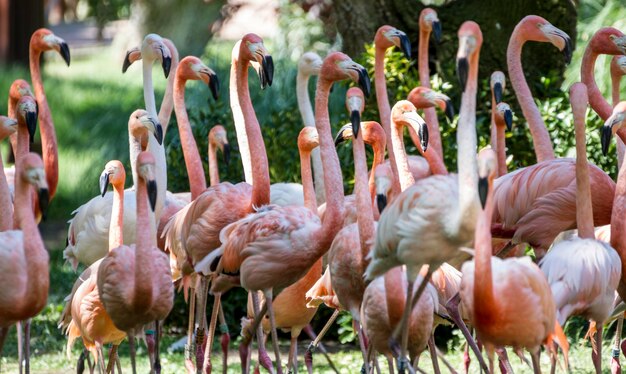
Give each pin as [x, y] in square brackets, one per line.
[364, 82]
[437, 31]
[605, 138]
[31, 124]
[483, 190]
[214, 86]
[423, 133]
[44, 197]
[166, 64]
[497, 92]
[567, 51]
[339, 138]
[158, 133]
[226, 152]
[152, 194]
[508, 119]
[104, 183]
[65, 52]
[405, 45]
[355, 119]
[381, 202]
[462, 67]
[449, 110]
[266, 75]
[127, 62]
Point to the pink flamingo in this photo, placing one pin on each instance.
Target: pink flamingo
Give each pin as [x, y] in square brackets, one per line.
[293, 246]
[26, 275]
[84, 314]
[44, 40]
[501, 119]
[592, 295]
[134, 282]
[522, 319]
[618, 69]
[446, 204]
[534, 28]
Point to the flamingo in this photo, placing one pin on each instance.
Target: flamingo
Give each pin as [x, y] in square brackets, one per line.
[134, 282]
[439, 210]
[44, 40]
[524, 318]
[501, 118]
[84, 314]
[292, 237]
[25, 264]
[591, 294]
[309, 65]
[25, 111]
[618, 69]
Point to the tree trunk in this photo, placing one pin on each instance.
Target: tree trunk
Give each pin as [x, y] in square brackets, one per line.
[18, 20]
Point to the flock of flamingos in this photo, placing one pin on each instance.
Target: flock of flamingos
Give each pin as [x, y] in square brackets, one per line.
[410, 228]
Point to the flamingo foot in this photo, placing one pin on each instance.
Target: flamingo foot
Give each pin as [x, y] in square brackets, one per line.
[616, 367]
[225, 342]
[308, 357]
[200, 338]
[189, 364]
[266, 361]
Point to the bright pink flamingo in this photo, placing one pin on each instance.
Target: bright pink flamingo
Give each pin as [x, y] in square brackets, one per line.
[524, 318]
[592, 294]
[292, 237]
[84, 314]
[26, 275]
[533, 28]
[447, 204]
[134, 282]
[44, 40]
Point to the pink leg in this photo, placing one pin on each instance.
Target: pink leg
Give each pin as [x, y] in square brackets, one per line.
[149, 333]
[452, 306]
[225, 340]
[259, 313]
[308, 355]
[200, 317]
[209, 345]
[466, 359]
[433, 353]
[363, 346]
[616, 367]
[270, 310]
[189, 346]
[112, 358]
[131, 348]
[597, 351]
[27, 346]
[20, 345]
[292, 362]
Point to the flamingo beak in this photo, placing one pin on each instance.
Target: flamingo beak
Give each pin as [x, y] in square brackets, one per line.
[381, 202]
[355, 119]
[608, 130]
[214, 85]
[567, 51]
[31, 124]
[132, 55]
[226, 153]
[363, 80]
[152, 193]
[104, 182]
[44, 198]
[419, 126]
[508, 119]
[342, 135]
[437, 31]
[497, 92]
[166, 63]
[483, 190]
[405, 45]
[449, 110]
[462, 67]
[462, 63]
[64, 50]
[268, 69]
[153, 126]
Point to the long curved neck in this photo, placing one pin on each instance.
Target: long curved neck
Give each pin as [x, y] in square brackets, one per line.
[618, 225]
[238, 117]
[584, 209]
[134, 146]
[430, 114]
[214, 171]
[306, 111]
[12, 104]
[307, 180]
[6, 206]
[385, 111]
[145, 240]
[116, 237]
[333, 181]
[46, 127]
[395, 295]
[167, 104]
[157, 150]
[193, 162]
[615, 93]
[259, 167]
[501, 149]
[379, 158]
[402, 162]
[541, 138]
[22, 140]
[484, 300]
[365, 216]
[597, 102]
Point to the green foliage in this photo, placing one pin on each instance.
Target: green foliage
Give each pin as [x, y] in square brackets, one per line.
[346, 328]
[108, 10]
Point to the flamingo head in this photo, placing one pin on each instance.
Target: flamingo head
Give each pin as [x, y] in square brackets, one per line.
[141, 123]
[618, 65]
[429, 21]
[382, 180]
[308, 139]
[191, 68]
[27, 111]
[355, 102]
[470, 40]
[338, 66]
[388, 36]
[132, 55]
[504, 115]
[154, 49]
[404, 113]
[33, 173]
[423, 97]
[310, 64]
[497, 84]
[615, 122]
[538, 29]
[487, 167]
[113, 173]
[44, 40]
[19, 88]
[253, 50]
[219, 139]
[8, 126]
[146, 171]
[608, 41]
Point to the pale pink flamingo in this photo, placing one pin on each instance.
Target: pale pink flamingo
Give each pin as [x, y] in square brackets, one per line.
[592, 294]
[134, 282]
[25, 264]
[509, 301]
[446, 205]
[501, 119]
[385, 38]
[533, 28]
[44, 40]
[428, 22]
[383, 305]
[84, 314]
[196, 229]
[292, 237]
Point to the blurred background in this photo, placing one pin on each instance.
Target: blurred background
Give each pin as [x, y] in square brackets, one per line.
[91, 100]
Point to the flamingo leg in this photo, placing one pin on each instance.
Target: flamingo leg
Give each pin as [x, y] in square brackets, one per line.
[209, 345]
[597, 350]
[363, 346]
[131, 346]
[390, 363]
[204, 290]
[225, 340]
[100, 353]
[80, 364]
[308, 355]
[309, 331]
[445, 362]
[157, 337]
[270, 310]
[20, 345]
[535, 359]
[112, 358]
[189, 346]
[452, 307]
[259, 313]
[553, 359]
[118, 364]
[616, 367]
[466, 358]
[503, 361]
[27, 346]
[91, 365]
[293, 354]
[149, 334]
[432, 349]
